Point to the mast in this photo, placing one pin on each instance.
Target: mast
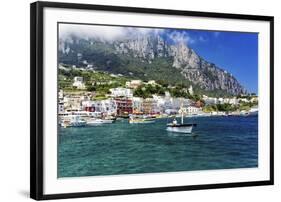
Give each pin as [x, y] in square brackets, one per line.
[181, 109]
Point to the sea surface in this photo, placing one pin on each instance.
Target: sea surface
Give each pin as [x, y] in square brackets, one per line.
[123, 148]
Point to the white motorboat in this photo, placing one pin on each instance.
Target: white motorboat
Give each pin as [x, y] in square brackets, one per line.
[72, 121]
[139, 120]
[180, 128]
[95, 121]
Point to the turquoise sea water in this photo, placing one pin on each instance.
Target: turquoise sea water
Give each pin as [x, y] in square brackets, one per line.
[123, 148]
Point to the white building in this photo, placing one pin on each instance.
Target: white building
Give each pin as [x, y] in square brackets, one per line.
[243, 100]
[133, 84]
[221, 100]
[121, 92]
[177, 103]
[60, 95]
[151, 82]
[254, 99]
[107, 107]
[149, 106]
[160, 102]
[174, 104]
[167, 94]
[61, 102]
[190, 90]
[61, 107]
[193, 110]
[78, 82]
[73, 102]
[210, 100]
[233, 101]
[137, 104]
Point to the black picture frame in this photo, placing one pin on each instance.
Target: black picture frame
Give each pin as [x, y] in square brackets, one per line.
[36, 98]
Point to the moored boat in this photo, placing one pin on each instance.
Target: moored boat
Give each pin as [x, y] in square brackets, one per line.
[96, 121]
[72, 121]
[141, 119]
[138, 120]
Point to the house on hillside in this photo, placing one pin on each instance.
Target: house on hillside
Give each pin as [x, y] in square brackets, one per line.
[78, 82]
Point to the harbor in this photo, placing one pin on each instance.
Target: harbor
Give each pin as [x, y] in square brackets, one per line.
[79, 108]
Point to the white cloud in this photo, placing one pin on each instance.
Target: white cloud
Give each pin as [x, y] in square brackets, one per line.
[108, 33]
[111, 33]
[181, 37]
[88, 31]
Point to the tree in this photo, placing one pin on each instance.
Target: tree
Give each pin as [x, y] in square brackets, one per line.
[162, 83]
[91, 88]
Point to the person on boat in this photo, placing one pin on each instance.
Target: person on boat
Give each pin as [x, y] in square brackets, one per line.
[175, 121]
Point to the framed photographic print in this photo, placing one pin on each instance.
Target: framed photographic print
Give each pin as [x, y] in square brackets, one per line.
[134, 100]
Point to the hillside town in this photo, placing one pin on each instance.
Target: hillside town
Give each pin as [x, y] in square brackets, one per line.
[121, 102]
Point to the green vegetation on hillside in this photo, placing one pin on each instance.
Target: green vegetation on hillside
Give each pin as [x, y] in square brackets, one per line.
[99, 82]
[146, 91]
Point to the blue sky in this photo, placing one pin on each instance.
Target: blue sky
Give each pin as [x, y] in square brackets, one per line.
[235, 52]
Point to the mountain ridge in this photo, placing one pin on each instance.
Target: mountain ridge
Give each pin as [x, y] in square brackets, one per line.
[149, 56]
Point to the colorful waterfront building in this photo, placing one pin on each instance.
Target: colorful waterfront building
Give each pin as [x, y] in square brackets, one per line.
[193, 110]
[106, 107]
[124, 106]
[149, 106]
[73, 102]
[137, 105]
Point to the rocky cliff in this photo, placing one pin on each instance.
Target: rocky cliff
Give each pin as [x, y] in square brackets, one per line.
[143, 55]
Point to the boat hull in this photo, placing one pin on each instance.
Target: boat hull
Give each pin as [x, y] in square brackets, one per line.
[74, 124]
[187, 129]
[78, 124]
[180, 128]
[99, 122]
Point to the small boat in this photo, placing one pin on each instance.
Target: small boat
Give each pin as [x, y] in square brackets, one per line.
[72, 121]
[254, 111]
[110, 118]
[125, 115]
[94, 121]
[180, 128]
[139, 120]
